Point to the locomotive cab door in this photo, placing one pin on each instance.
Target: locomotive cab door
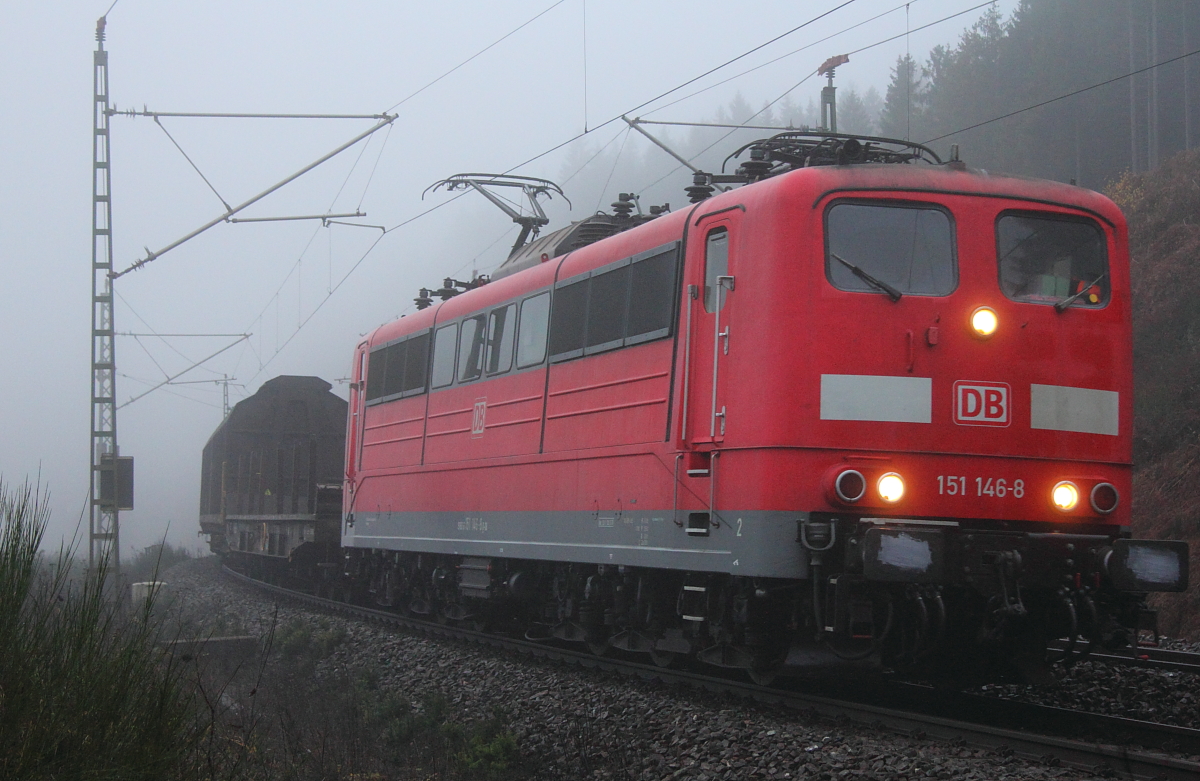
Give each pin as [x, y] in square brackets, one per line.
[355, 413]
[710, 297]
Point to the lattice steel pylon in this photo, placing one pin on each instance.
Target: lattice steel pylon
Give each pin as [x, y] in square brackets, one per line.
[105, 527]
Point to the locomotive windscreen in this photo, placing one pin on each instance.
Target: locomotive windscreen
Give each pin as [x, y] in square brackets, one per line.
[909, 247]
[1047, 259]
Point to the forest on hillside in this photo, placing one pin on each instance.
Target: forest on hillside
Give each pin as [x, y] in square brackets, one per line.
[1163, 210]
[1045, 92]
[1046, 50]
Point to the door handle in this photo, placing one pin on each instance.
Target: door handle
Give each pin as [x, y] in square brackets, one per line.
[725, 335]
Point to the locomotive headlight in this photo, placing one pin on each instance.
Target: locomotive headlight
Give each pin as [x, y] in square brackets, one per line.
[891, 487]
[984, 322]
[1065, 495]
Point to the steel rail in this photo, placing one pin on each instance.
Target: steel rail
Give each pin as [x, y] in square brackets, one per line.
[903, 720]
[1148, 658]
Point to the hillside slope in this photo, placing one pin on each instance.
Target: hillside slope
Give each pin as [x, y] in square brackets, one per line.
[1163, 209]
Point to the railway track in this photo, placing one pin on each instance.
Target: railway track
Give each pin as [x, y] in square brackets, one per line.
[1104, 744]
[1145, 657]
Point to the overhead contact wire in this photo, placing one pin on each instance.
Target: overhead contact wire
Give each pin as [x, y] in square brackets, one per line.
[708, 72]
[777, 59]
[806, 78]
[491, 45]
[418, 216]
[1067, 95]
[371, 176]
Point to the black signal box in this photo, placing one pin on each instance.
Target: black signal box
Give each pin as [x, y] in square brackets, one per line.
[116, 482]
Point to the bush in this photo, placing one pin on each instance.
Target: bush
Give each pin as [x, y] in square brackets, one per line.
[489, 757]
[84, 691]
[152, 560]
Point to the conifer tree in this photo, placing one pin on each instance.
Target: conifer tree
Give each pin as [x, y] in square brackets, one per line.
[903, 114]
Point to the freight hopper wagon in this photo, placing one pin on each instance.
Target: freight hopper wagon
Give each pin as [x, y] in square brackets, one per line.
[270, 488]
[867, 406]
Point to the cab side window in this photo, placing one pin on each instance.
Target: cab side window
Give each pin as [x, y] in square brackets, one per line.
[716, 264]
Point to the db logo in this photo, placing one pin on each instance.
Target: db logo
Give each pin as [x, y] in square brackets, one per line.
[981, 403]
[478, 417]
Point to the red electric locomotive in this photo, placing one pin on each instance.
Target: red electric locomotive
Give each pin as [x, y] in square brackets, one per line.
[865, 406]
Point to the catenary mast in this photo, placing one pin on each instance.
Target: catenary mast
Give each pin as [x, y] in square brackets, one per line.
[104, 537]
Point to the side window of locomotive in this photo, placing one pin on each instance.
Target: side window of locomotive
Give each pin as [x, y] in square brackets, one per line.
[531, 337]
[444, 346]
[375, 370]
[624, 303]
[393, 375]
[567, 319]
[909, 247]
[652, 296]
[398, 369]
[1048, 258]
[608, 303]
[416, 363]
[716, 264]
[501, 324]
[470, 348]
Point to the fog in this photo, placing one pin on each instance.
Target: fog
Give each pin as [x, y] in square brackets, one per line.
[307, 292]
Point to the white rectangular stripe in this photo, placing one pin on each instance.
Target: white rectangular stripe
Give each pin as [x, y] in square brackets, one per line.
[1087, 411]
[873, 397]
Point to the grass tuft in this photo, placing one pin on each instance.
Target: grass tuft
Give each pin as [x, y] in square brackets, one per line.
[85, 693]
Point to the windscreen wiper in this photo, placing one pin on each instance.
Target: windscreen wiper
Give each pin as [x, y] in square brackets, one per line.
[1066, 302]
[892, 292]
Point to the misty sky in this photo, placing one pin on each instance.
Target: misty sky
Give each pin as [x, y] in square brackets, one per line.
[517, 100]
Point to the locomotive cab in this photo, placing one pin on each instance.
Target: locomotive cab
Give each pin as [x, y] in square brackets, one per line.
[939, 364]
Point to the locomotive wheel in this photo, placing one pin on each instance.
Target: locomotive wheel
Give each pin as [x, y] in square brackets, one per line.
[598, 647]
[767, 667]
[664, 659]
[765, 674]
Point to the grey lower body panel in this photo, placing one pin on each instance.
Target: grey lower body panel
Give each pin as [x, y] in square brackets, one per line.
[752, 544]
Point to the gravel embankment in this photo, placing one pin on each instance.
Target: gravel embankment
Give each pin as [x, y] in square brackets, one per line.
[1130, 692]
[579, 723]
